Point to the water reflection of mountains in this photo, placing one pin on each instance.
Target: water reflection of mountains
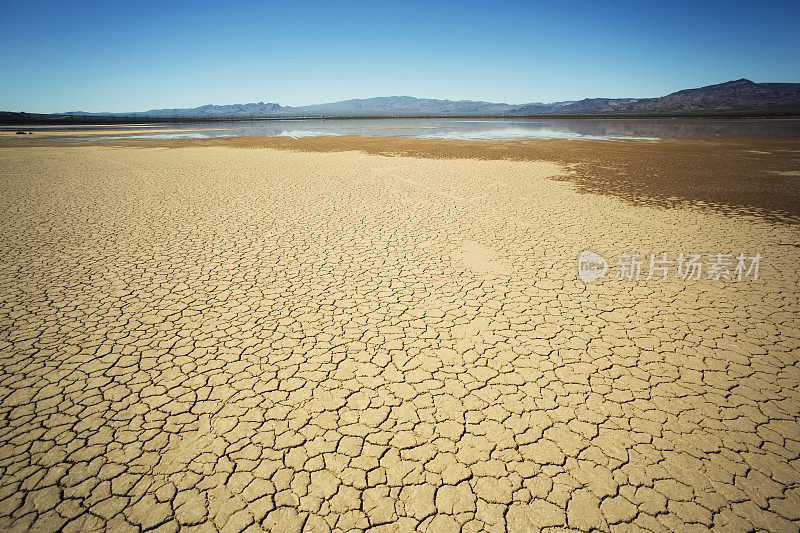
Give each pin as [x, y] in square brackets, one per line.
[473, 129]
[519, 128]
[515, 128]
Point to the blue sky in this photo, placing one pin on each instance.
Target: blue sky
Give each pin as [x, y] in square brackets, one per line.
[134, 56]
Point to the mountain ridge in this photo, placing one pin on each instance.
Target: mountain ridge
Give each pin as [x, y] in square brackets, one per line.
[735, 97]
[741, 94]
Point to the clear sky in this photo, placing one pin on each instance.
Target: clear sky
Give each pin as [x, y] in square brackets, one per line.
[139, 55]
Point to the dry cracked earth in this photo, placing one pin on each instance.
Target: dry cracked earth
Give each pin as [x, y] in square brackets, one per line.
[204, 339]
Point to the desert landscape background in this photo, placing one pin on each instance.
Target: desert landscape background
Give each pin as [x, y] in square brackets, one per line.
[321, 338]
[435, 267]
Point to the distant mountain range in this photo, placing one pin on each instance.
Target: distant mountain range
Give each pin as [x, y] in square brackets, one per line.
[739, 97]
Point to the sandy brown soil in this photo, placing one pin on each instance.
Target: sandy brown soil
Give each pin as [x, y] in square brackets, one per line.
[759, 176]
[243, 339]
[751, 176]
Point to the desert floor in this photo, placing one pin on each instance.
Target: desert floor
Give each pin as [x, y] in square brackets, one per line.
[237, 338]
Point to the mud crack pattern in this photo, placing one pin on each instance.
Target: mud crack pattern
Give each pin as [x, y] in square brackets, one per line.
[206, 339]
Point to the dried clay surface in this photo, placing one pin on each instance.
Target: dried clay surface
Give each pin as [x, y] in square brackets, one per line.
[239, 339]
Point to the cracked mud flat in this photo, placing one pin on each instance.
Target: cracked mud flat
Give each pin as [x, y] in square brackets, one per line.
[242, 339]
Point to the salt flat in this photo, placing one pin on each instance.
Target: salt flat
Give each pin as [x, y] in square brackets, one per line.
[241, 338]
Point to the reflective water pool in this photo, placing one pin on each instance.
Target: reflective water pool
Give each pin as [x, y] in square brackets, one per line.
[448, 128]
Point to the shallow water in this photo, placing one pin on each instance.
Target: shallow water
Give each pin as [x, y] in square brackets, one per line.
[461, 129]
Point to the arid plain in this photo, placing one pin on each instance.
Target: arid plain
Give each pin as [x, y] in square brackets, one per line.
[389, 335]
